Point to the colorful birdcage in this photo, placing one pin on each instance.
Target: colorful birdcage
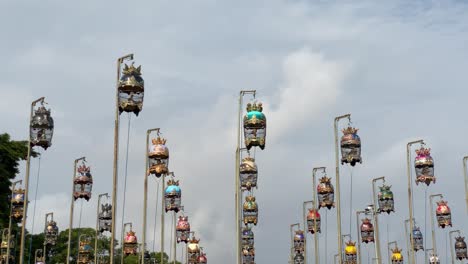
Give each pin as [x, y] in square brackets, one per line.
[299, 241]
[193, 250]
[250, 210]
[83, 183]
[17, 202]
[84, 252]
[248, 173]
[4, 247]
[325, 193]
[41, 128]
[51, 233]
[130, 245]
[202, 258]
[105, 218]
[299, 258]
[350, 256]
[183, 229]
[424, 165]
[386, 202]
[397, 257]
[418, 243]
[254, 126]
[350, 146]
[460, 248]
[313, 221]
[131, 90]
[158, 157]
[443, 214]
[434, 259]
[367, 231]
[248, 255]
[248, 237]
[172, 196]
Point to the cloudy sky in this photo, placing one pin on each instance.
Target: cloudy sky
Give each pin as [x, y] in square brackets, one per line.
[399, 67]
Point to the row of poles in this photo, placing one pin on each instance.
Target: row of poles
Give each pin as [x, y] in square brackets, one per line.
[129, 98]
[382, 202]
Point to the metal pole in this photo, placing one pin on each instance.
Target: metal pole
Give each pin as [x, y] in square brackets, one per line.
[434, 244]
[13, 188]
[174, 245]
[337, 184]
[388, 250]
[451, 249]
[409, 244]
[359, 236]
[97, 226]
[237, 195]
[378, 253]
[410, 197]
[145, 193]
[72, 205]
[116, 158]
[466, 181]
[45, 229]
[314, 205]
[26, 185]
[292, 240]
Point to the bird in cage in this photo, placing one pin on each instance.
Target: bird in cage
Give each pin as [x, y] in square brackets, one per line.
[367, 231]
[41, 128]
[183, 229]
[248, 173]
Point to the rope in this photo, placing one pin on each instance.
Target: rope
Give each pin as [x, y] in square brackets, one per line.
[125, 178]
[351, 203]
[34, 208]
[156, 214]
[79, 226]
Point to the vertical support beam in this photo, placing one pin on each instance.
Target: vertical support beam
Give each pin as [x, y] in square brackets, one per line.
[337, 185]
[409, 244]
[314, 205]
[359, 236]
[13, 188]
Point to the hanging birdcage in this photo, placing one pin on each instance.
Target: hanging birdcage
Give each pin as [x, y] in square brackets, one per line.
[17, 202]
[325, 193]
[424, 165]
[418, 243]
[386, 202]
[183, 229]
[193, 250]
[397, 257]
[254, 126]
[434, 259]
[350, 256]
[250, 210]
[130, 245]
[443, 214]
[4, 247]
[299, 258]
[367, 231]
[173, 195]
[158, 157]
[248, 173]
[350, 146]
[248, 255]
[83, 183]
[105, 218]
[39, 258]
[84, 252]
[460, 248]
[247, 237]
[313, 221]
[202, 259]
[299, 241]
[131, 90]
[51, 233]
[41, 128]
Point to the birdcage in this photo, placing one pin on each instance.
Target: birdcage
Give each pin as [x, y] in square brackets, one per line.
[83, 183]
[248, 173]
[131, 90]
[254, 126]
[4, 247]
[418, 243]
[313, 221]
[51, 233]
[158, 157]
[193, 250]
[434, 259]
[84, 252]
[424, 166]
[250, 210]
[247, 237]
[460, 248]
[386, 202]
[105, 218]
[397, 257]
[183, 229]
[17, 202]
[325, 193]
[130, 245]
[173, 195]
[299, 241]
[299, 258]
[367, 231]
[41, 128]
[443, 214]
[248, 255]
[350, 256]
[350, 146]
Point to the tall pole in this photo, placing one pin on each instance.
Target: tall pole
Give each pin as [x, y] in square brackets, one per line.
[434, 244]
[26, 185]
[378, 253]
[314, 205]
[409, 243]
[388, 250]
[292, 240]
[410, 197]
[337, 185]
[359, 236]
[72, 206]
[13, 188]
[163, 205]
[97, 226]
[237, 196]
[145, 193]
[451, 249]
[116, 158]
[465, 159]
[45, 229]
[174, 244]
